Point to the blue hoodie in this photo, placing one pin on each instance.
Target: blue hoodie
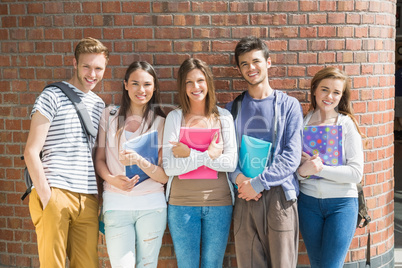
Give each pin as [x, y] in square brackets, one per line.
[287, 142]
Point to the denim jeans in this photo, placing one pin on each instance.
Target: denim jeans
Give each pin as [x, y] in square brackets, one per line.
[134, 238]
[199, 228]
[327, 226]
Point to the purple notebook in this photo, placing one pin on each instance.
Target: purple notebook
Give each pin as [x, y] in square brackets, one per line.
[325, 141]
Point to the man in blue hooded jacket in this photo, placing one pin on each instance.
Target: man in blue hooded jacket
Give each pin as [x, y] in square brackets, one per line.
[265, 215]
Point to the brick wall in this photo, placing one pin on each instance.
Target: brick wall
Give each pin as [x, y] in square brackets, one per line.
[37, 39]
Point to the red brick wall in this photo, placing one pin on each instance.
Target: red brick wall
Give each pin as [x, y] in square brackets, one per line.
[37, 39]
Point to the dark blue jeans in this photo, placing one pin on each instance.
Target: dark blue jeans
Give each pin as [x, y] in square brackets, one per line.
[327, 226]
[199, 228]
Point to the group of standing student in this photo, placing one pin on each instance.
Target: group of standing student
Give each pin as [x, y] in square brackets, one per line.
[267, 208]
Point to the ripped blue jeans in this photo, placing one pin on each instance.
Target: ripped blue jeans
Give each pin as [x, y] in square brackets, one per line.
[134, 237]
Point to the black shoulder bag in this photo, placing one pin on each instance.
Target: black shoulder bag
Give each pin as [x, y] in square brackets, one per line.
[85, 120]
[364, 219]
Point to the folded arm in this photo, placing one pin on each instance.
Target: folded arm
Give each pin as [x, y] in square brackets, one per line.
[227, 161]
[172, 165]
[286, 162]
[352, 170]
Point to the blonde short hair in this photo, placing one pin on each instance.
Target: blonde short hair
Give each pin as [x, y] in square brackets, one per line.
[90, 45]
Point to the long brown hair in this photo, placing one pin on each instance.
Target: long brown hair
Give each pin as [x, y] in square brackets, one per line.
[210, 102]
[344, 106]
[153, 104]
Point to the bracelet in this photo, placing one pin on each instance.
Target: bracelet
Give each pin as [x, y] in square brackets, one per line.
[305, 177]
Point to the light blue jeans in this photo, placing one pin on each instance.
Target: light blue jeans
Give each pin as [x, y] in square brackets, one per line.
[192, 226]
[327, 226]
[134, 238]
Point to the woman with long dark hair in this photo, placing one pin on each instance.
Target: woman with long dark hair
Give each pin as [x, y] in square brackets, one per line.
[134, 210]
[328, 204]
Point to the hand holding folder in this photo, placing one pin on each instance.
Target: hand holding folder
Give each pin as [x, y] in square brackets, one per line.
[254, 156]
[198, 139]
[146, 146]
[215, 149]
[326, 141]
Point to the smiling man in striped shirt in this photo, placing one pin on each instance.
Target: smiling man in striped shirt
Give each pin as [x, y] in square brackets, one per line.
[63, 205]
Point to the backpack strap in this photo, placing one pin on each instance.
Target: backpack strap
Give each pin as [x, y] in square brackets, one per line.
[82, 112]
[112, 112]
[236, 106]
[99, 180]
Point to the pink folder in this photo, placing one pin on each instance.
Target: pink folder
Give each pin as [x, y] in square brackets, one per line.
[198, 139]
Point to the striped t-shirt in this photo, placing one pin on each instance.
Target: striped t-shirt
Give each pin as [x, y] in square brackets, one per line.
[67, 160]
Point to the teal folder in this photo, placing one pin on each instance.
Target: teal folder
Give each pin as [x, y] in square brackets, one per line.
[254, 155]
